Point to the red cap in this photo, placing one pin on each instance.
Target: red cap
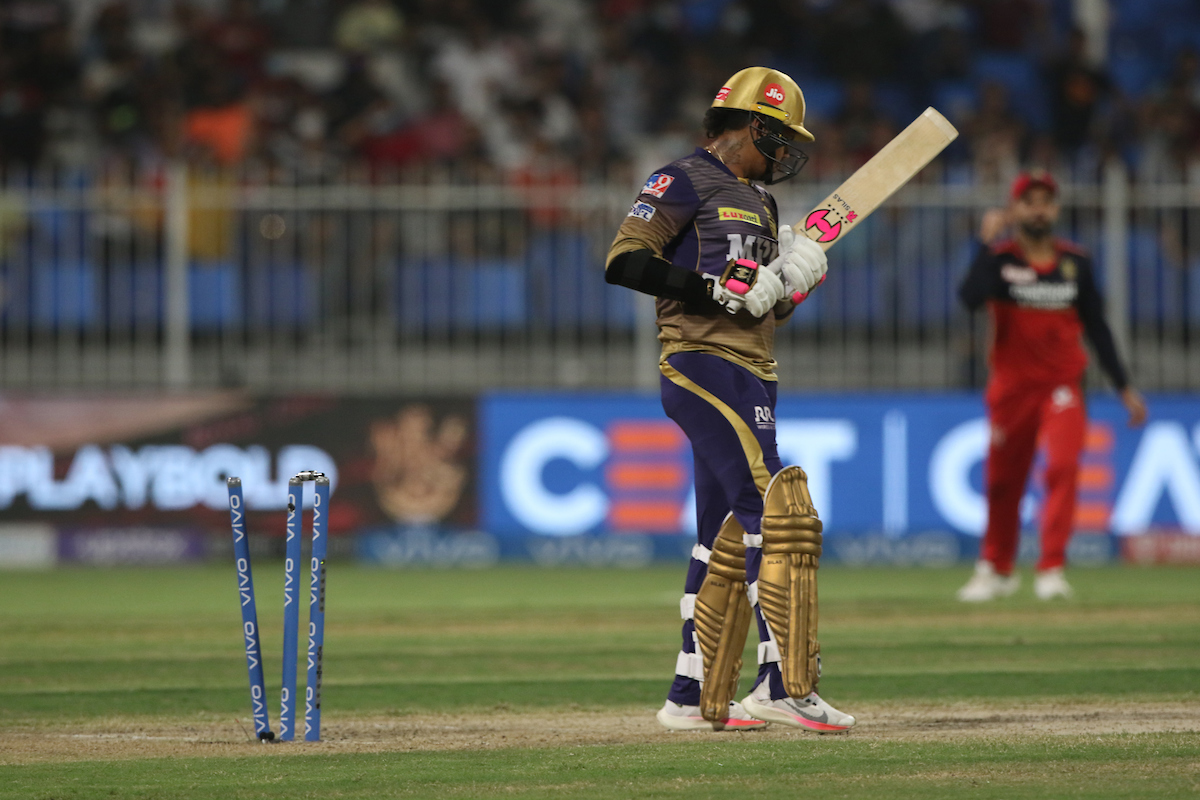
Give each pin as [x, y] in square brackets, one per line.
[1027, 180]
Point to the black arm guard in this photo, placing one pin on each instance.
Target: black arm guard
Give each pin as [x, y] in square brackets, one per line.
[643, 271]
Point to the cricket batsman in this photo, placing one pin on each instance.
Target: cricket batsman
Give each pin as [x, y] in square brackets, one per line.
[1041, 296]
[704, 240]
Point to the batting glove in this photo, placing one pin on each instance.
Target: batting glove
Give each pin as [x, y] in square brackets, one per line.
[801, 263]
[758, 295]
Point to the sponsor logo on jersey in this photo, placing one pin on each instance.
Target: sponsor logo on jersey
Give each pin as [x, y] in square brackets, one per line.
[657, 184]
[1063, 397]
[1018, 275]
[774, 94]
[721, 95]
[1048, 296]
[643, 211]
[819, 220]
[764, 417]
[738, 215]
[759, 249]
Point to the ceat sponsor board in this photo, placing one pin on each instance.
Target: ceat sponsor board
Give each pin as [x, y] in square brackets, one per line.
[570, 465]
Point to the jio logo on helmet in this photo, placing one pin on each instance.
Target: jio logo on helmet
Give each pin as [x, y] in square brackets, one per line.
[829, 231]
[774, 93]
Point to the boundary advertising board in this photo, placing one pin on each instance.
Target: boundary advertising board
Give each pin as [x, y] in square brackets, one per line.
[556, 465]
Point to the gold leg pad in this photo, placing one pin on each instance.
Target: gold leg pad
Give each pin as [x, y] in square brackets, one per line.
[787, 582]
[722, 621]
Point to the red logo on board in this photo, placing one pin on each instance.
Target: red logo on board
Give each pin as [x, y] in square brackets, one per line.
[817, 220]
[721, 95]
[774, 94]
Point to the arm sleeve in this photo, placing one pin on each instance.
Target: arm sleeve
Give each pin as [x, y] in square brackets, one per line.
[1090, 306]
[643, 271]
[980, 284]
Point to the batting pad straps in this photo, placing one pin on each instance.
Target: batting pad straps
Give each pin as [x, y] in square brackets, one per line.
[701, 553]
[643, 271]
[752, 539]
[768, 653]
[690, 665]
[752, 594]
[687, 606]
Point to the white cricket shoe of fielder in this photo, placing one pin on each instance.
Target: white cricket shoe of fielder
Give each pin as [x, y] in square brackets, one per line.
[676, 717]
[810, 713]
[987, 584]
[1051, 583]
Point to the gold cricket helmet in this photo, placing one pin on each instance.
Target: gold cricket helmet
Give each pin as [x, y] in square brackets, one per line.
[768, 92]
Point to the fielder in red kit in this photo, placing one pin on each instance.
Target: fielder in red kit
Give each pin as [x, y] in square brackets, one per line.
[1041, 297]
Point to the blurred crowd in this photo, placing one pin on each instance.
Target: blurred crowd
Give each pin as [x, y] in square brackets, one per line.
[521, 88]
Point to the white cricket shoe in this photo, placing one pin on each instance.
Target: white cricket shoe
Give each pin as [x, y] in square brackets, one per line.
[1051, 583]
[986, 584]
[675, 717]
[810, 713]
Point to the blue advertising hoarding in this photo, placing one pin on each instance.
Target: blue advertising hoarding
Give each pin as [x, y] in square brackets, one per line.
[562, 465]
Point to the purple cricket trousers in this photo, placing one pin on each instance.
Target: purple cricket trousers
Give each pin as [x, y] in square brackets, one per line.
[728, 415]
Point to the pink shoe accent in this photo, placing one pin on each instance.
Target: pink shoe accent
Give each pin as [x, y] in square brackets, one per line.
[818, 726]
[742, 723]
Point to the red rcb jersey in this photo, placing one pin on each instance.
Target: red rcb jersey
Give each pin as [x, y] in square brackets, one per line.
[1040, 313]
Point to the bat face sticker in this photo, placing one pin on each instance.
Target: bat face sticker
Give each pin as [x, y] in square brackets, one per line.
[817, 219]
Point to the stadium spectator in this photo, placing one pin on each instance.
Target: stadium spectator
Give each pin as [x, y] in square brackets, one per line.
[1005, 25]
[368, 26]
[1171, 142]
[82, 80]
[22, 114]
[1076, 91]
[864, 38]
[241, 39]
[857, 121]
[996, 136]
[223, 123]
[442, 135]
[1186, 73]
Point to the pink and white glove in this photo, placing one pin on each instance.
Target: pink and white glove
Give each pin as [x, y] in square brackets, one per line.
[758, 296]
[801, 264]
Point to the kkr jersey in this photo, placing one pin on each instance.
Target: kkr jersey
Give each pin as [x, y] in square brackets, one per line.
[698, 215]
[1039, 313]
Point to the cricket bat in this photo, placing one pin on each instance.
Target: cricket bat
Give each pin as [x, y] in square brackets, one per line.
[873, 183]
[878, 179]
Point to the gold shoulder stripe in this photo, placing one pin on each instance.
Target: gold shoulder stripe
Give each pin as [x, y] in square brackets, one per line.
[750, 445]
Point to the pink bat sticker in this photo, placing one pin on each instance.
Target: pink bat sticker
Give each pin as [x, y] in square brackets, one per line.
[829, 231]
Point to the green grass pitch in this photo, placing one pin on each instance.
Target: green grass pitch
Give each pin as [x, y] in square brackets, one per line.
[521, 682]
